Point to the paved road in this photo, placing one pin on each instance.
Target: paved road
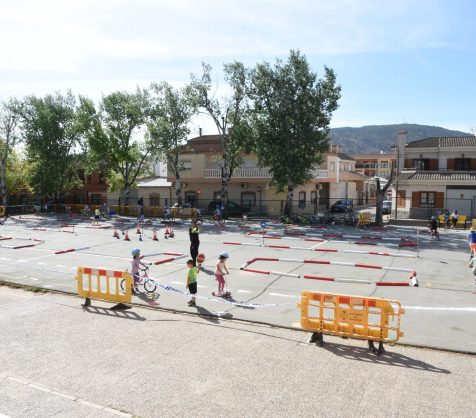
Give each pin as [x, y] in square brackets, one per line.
[441, 313]
[61, 360]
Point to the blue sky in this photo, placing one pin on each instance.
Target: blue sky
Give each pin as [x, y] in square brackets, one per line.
[399, 61]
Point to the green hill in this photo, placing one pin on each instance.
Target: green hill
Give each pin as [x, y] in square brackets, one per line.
[376, 138]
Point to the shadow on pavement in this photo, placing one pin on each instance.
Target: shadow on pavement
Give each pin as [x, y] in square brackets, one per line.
[387, 358]
[114, 313]
[207, 315]
[207, 271]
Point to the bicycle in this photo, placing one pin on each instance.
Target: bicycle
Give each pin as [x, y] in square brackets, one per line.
[148, 284]
[218, 219]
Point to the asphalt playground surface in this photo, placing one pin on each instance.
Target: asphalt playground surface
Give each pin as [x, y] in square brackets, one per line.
[60, 360]
[440, 313]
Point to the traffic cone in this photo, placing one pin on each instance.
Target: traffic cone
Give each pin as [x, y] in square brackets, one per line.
[154, 238]
[170, 232]
[116, 234]
[126, 238]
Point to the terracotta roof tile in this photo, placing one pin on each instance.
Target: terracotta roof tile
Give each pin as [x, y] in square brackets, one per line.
[449, 175]
[444, 142]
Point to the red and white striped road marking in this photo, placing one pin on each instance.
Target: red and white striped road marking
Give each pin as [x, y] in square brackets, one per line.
[326, 262]
[402, 243]
[52, 230]
[329, 235]
[176, 256]
[34, 243]
[412, 272]
[330, 250]
[71, 250]
[253, 244]
[333, 250]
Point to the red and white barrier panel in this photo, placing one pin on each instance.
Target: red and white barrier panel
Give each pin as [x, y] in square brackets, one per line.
[176, 256]
[71, 250]
[402, 242]
[333, 250]
[253, 244]
[326, 262]
[413, 280]
[34, 243]
[52, 230]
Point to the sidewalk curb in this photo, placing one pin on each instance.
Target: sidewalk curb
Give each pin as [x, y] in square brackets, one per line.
[40, 289]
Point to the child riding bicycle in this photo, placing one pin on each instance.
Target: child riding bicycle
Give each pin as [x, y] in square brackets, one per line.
[136, 263]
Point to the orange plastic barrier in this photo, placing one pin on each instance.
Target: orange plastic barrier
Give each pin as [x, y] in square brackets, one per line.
[372, 319]
[103, 284]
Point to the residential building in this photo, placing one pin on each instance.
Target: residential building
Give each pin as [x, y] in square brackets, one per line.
[372, 166]
[92, 192]
[251, 184]
[436, 173]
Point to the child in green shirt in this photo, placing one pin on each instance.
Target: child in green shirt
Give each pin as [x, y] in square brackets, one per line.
[192, 281]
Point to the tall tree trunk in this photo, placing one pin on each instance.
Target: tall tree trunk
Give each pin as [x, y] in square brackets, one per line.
[288, 208]
[378, 206]
[178, 188]
[225, 180]
[3, 182]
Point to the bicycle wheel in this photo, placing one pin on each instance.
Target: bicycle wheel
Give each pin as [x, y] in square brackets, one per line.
[149, 286]
[122, 284]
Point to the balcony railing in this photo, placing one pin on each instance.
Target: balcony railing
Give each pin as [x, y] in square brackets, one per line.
[240, 173]
[320, 173]
[255, 173]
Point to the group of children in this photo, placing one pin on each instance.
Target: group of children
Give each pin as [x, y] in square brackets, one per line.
[191, 281]
[220, 270]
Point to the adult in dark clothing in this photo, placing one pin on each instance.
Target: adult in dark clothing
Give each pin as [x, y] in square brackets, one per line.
[193, 232]
[140, 207]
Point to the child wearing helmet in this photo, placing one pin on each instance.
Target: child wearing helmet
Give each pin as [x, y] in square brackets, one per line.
[472, 241]
[220, 271]
[136, 263]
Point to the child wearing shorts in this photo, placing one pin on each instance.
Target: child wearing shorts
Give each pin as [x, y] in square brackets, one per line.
[220, 272]
[192, 282]
[472, 241]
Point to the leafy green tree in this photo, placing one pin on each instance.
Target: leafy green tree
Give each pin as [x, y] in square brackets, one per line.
[9, 136]
[230, 116]
[116, 137]
[292, 110]
[168, 124]
[54, 142]
[19, 173]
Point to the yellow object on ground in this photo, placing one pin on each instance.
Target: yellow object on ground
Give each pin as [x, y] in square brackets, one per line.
[364, 318]
[104, 284]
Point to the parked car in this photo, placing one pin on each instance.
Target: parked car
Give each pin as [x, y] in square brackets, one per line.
[344, 205]
[233, 208]
[175, 206]
[386, 207]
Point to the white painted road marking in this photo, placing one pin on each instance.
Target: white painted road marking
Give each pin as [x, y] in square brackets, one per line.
[284, 296]
[245, 291]
[437, 308]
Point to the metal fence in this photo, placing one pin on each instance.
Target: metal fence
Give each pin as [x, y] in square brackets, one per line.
[466, 207]
[156, 207]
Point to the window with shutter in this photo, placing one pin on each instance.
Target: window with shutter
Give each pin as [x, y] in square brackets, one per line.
[416, 199]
